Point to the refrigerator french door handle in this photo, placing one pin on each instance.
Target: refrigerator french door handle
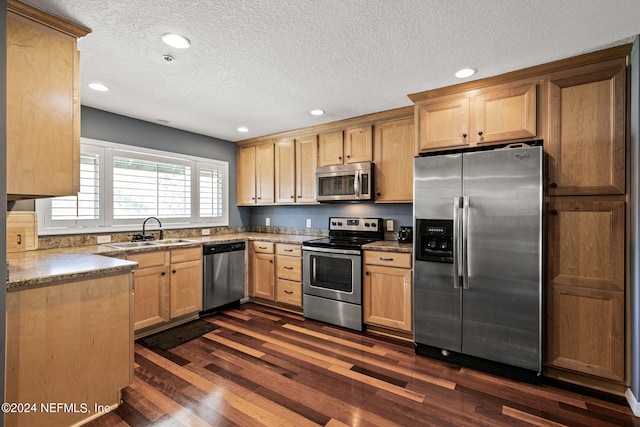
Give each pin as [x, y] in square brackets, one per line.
[465, 242]
[456, 242]
[356, 185]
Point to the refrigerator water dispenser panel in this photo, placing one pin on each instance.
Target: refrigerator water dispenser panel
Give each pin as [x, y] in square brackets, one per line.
[435, 240]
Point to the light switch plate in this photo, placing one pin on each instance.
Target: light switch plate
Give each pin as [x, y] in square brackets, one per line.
[389, 225]
[268, 222]
[104, 239]
[205, 231]
[308, 222]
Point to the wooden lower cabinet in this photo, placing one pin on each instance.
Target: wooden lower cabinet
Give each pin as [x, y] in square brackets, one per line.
[585, 293]
[70, 343]
[262, 270]
[167, 285]
[387, 290]
[289, 274]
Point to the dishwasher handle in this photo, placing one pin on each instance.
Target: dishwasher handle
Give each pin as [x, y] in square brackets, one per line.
[218, 248]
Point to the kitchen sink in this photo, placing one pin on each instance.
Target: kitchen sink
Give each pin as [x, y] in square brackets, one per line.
[124, 245]
[169, 241]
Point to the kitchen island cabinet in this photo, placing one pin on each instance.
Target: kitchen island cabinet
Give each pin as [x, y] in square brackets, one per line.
[388, 292]
[43, 104]
[69, 343]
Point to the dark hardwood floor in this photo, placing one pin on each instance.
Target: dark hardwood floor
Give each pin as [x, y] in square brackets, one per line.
[267, 367]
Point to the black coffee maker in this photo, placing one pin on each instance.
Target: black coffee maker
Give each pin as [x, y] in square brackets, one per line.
[405, 234]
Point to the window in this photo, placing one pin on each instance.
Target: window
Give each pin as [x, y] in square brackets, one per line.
[121, 186]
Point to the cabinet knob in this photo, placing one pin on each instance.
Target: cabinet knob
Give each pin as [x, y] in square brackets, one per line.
[339, 157]
[378, 193]
[270, 261]
[464, 135]
[299, 196]
[173, 271]
[253, 198]
[348, 156]
[292, 196]
[554, 212]
[164, 273]
[366, 273]
[480, 133]
[553, 185]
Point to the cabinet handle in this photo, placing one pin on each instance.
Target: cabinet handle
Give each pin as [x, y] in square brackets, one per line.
[262, 247]
[554, 212]
[386, 259]
[288, 250]
[19, 239]
[288, 292]
[553, 185]
[288, 268]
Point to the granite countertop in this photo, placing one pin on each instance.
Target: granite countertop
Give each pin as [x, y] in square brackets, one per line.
[55, 266]
[389, 246]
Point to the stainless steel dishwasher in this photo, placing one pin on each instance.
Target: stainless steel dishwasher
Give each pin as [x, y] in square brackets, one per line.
[222, 275]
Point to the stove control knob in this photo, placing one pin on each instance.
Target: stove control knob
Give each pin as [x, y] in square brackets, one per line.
[340, 224]
[374, 225]
[333, 223]
[366, 224]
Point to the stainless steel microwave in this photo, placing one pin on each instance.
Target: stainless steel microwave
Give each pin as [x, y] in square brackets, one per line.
[352, 182]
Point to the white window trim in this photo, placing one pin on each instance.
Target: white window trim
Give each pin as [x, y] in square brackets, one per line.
[43, 206]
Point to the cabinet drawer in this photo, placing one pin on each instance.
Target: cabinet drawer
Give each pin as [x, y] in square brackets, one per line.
[187, 254]
[289, 268]
[391, 259]
[289, 292]
[262, 247]
[288, 249]
[150, 259]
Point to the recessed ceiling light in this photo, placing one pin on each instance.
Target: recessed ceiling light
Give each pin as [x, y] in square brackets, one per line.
[243, 129]
[176, 40]
[465, 72]
[317, 112]
[99, 87]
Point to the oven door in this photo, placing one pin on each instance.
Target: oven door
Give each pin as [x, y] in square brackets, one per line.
[333, 274]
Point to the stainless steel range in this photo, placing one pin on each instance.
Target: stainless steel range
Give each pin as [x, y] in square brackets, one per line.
[332, 271]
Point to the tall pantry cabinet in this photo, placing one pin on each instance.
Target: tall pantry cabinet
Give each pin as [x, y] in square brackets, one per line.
[43, 104]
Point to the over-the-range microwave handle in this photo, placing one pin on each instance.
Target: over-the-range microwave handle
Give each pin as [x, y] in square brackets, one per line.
[356, 185]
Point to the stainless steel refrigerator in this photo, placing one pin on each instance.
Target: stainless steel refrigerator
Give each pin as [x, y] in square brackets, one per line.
[478, 259]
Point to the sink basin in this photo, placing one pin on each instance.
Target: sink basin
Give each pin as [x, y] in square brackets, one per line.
[124, 245]
[169, 241]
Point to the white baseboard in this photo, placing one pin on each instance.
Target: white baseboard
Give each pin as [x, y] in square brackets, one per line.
[633, 402]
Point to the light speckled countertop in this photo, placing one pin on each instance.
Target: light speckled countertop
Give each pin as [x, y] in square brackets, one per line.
[55, 266]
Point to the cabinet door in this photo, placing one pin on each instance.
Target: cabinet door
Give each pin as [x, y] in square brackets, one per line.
[262, 276]
[387, 294]
[330, 149]
[246, 176]
[358, 145]
[150, 296]
[586, 143]
[586, 331]
[285, 171]
[186, 288]
[443, 123]
[265, 174]
[505, 112]
[306, 163]
[43, 111]
[586, 244]
[394, 146]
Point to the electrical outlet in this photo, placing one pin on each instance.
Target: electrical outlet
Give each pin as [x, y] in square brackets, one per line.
[308, 222]
[267, 222]
[104, 239]
[389, 225]
[205, 231]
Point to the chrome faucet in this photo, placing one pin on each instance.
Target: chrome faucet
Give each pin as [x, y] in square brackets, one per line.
[144, 224]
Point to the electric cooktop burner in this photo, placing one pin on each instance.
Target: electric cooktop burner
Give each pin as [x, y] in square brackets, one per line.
[349, 233]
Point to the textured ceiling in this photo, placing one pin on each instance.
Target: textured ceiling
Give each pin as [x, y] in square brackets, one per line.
[264, 64]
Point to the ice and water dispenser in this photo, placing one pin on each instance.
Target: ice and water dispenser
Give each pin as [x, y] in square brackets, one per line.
[434, 240]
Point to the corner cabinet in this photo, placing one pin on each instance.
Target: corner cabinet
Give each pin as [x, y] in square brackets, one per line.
[500, 113]
[387, 290]
[43, 104]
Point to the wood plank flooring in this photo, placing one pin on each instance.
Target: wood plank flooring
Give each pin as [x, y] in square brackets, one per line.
[266, 367]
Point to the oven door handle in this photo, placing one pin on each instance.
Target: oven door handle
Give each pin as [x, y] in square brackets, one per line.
[332, 250]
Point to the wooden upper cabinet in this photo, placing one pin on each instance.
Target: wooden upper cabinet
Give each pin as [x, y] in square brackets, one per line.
[285, 160]
[393, 158]
[306, 163]
[330, 148]
[256, 175]
[358, 145]
[586, 142]
[502, 112]
[43, 104]
[351, 146]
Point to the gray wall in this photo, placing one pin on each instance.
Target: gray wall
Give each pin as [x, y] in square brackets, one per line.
[635, 218]
[3, 185]
[101, 125]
